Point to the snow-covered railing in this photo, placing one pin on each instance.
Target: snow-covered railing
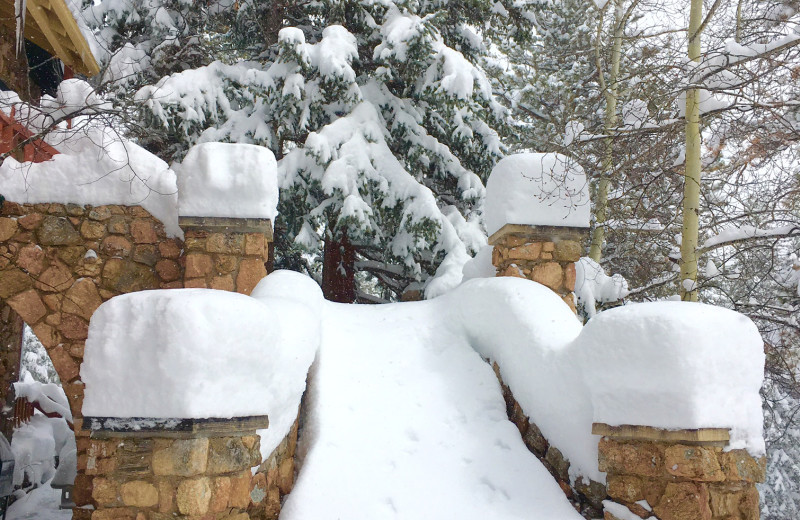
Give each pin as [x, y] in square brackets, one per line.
[658, 382]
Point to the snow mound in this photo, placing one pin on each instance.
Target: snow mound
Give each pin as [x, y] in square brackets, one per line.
[95, 169]
[228, 180]
[676, 365]
[192, 353]
[543, 189]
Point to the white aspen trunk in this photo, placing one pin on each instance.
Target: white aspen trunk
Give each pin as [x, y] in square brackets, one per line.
[612, 96]
[691, 188]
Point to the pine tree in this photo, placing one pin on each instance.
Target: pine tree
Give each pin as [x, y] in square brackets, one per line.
[381, 116]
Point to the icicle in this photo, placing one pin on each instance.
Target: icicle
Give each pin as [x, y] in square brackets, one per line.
[20, 8]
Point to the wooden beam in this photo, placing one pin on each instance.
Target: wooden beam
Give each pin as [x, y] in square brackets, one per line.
[82, 59]
[711, 436]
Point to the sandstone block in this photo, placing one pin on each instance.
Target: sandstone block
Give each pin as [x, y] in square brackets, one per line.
[46, 334]
[30, 221]
[8, 227]
[166, 497]
[693, 462]
[100, 213]
[534, 440]
[224, 264]
[168, 270]
[57, 231]
[197, 265]
[71, 255]
[631, 458]
[286, 475]
[199, 283]
[497, 255]
[139, 493]
[559, 463]
[525, 252]
[64, 364]
[255, 244]
[92, 230]
[240, 490]
[12, 282]
[569, 277]
[548, 274]
[194, 496]
[73, 327]
[184, 457]
[740, 465]
[231, 243]
[229, 454]
[724, 503]
[82, 298]
[511, 270]
[29, 305]
[124, 276]
[118, 225]
[117, 513]
[222, 283]
[31, 258]
[55, 278]
[116, 246]
[251, 271]
[105, 491]
[567, 251]
[625, 488]
[684, 501]
[169, 248]
[220, 494]
[258, 488]
[145, 254]
[143, 231]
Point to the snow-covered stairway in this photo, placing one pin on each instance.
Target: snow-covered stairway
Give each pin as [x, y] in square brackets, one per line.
[407, 421]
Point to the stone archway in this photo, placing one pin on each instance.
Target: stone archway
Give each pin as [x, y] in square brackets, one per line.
[59, 262]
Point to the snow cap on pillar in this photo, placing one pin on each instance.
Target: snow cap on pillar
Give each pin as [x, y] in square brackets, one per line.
[228, 180]
[537, 189]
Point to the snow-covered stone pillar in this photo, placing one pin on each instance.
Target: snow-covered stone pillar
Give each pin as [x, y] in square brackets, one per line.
[227, 198]
[191, 406]
[675, 398]
[537, 215]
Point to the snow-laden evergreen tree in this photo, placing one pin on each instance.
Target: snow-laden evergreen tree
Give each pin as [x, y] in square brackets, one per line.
[380, 114]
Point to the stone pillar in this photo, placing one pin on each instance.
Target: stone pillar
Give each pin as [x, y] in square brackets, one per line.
[681, 474]
[148, 469]
[11, 326]
[544, 254]
[223, 253]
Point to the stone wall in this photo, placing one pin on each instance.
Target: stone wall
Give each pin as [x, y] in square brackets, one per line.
[155, 476]
[586, 496]
[226, 253]
[682, 480]
[58, 263]
[11, 325]
[544, 254]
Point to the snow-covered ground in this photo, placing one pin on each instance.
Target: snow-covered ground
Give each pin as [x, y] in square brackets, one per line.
[414, 427]
[40, 504]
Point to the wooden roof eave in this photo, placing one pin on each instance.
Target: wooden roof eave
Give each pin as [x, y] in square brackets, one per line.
[51, 26]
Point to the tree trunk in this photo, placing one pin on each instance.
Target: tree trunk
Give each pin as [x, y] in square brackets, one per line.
[338, 269]
[612, 96]
[691, 187]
